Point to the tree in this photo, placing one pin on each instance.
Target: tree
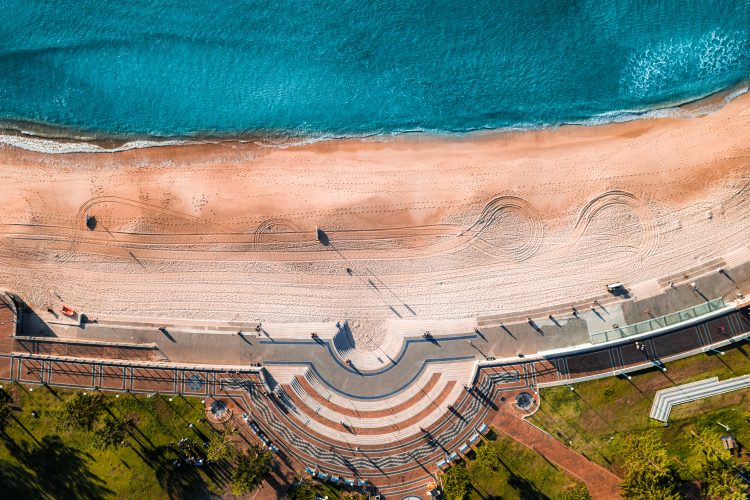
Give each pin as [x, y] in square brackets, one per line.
[222, 448]
[708, 451]
[577, 492]
[250, 468]
[724, 484]
[456, 483]
[713, 464]
[81, 411]
[645, 486]
[111, 433]
[649, 472]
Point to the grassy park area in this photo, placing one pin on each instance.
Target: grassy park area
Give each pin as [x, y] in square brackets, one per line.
[503, 468]
[595, 417]
[60, 444]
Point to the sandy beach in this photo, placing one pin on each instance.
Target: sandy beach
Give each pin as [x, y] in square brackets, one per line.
[419, 227]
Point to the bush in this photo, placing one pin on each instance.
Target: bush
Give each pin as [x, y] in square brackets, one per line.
[707, 451]
[81, 411]
[304, 490]
[577, 492]
[489, 458]
[111, 433]
[724, 484]
[6, 412]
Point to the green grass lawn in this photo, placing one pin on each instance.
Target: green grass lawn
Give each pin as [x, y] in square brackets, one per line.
[595, 413]
[39, 461]
[522, 474]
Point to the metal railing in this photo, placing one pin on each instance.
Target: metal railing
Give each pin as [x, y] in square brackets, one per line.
[660, 322]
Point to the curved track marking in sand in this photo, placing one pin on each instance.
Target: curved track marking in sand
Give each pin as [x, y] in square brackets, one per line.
[79, 222]
[275, 225]
[615, 197]
[631, 270]
[492, 217]
[439, 238]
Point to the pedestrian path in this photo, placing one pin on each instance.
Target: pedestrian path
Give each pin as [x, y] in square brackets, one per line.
[601, 483]
[665, 399]
[298, 331]
[646, 289]
[181, 325]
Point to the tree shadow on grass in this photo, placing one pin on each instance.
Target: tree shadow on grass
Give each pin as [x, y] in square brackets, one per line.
[60, 471]
[17, 482]
[525, 488]
[180, 479]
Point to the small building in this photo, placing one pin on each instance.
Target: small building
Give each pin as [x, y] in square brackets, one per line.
[728, 442]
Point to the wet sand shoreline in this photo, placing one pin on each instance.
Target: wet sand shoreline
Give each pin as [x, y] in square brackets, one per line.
[52, 139]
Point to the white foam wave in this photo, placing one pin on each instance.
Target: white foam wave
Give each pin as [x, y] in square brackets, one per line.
[678, 61]
[52, 146]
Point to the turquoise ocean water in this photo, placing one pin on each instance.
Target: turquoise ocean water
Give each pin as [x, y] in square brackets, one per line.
[173, 68]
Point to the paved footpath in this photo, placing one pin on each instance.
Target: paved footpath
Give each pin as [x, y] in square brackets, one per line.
[602, 484]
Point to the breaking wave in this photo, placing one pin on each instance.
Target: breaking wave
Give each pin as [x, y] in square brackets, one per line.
[685, 63]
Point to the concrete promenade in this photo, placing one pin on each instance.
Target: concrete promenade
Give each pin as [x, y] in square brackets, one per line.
[219, 344]
[393, 421]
